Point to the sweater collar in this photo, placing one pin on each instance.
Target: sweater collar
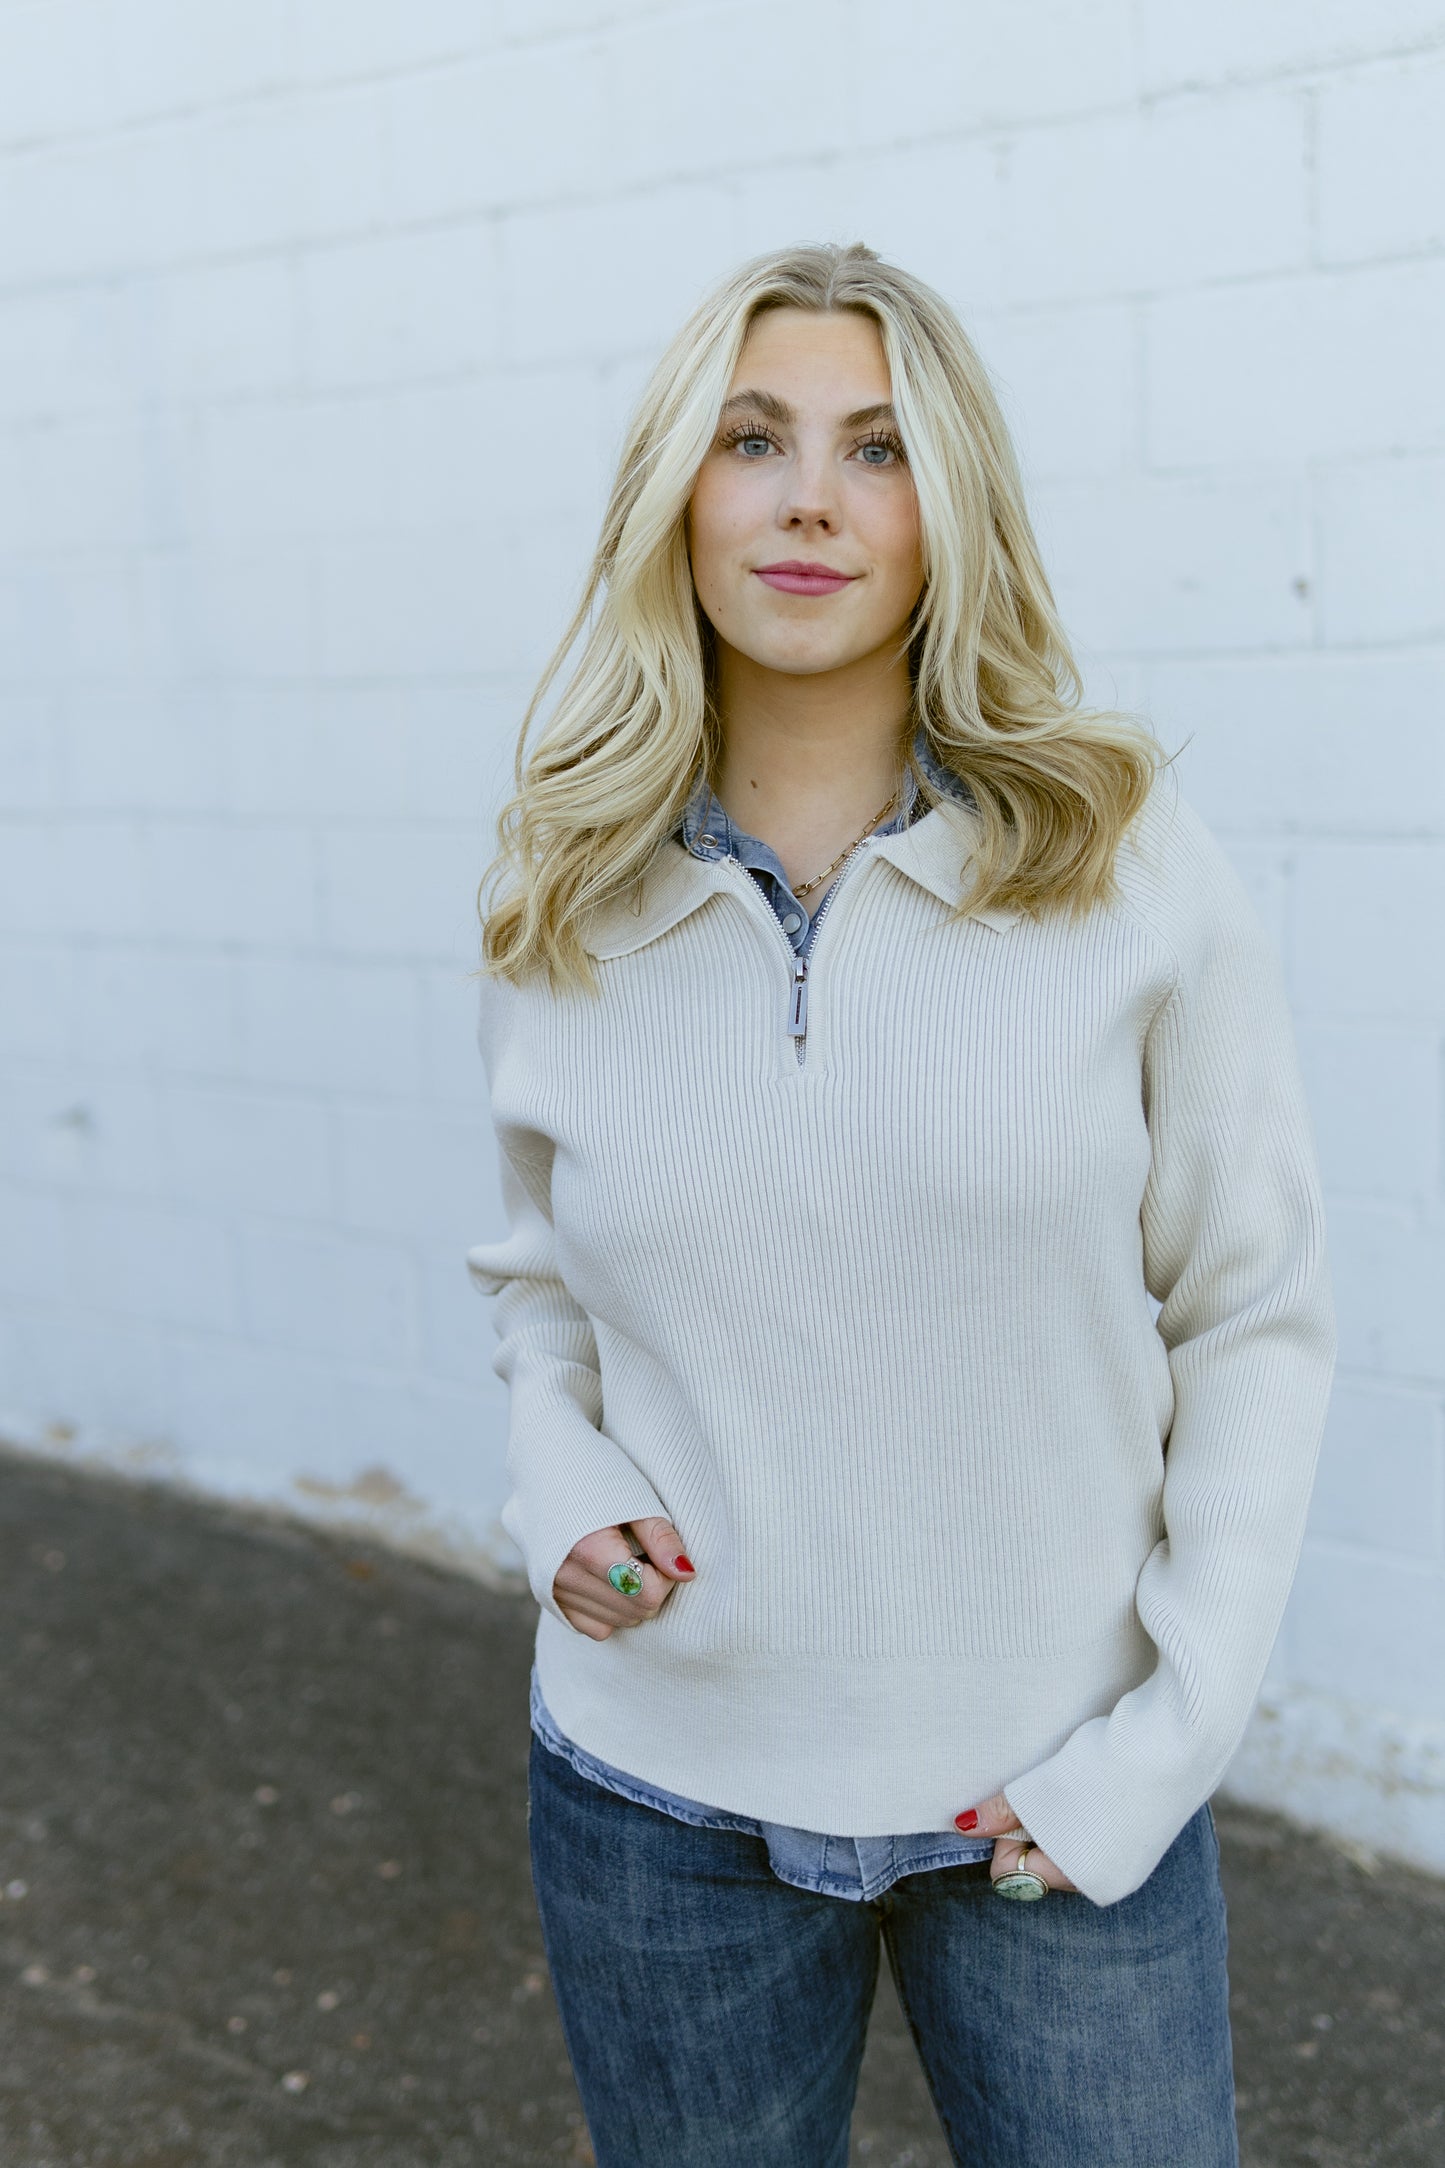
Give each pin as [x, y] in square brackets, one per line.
[933, 852]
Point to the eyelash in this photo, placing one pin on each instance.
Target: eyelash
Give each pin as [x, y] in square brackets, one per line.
[743, 431]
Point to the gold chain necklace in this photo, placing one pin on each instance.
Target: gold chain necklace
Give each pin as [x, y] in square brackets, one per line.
[803, 888]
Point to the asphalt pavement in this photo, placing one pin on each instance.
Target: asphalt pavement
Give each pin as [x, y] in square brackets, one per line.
[264, 1898]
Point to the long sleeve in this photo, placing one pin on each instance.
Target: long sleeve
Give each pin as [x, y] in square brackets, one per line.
[566, 1476]
[1234, 1250]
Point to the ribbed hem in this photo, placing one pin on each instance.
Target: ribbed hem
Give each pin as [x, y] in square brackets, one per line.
[889, 1748]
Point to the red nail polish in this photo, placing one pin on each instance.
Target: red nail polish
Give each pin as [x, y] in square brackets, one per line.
[683, 1563]
[966, 1821]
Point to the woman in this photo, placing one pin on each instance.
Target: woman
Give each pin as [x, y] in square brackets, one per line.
[875, 1039]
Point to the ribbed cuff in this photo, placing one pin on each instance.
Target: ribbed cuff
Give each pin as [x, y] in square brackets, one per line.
[1106, 1819]
[544, 1520]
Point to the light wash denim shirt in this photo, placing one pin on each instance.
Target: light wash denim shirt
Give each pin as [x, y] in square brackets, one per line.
[854, 1867]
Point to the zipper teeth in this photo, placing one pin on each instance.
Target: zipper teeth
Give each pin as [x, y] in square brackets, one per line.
[801, 1042]
[800, 963]
[742, 873]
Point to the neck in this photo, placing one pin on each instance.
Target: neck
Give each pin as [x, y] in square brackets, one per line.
[806, 759]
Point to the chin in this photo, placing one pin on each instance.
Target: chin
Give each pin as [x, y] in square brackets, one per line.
[798, 658]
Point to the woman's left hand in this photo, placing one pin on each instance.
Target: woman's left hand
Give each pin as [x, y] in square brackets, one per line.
[991, 1817]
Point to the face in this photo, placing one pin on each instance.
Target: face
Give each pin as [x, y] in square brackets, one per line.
[803, 524]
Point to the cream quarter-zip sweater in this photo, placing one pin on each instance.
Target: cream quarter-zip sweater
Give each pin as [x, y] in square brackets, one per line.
[967, 1516]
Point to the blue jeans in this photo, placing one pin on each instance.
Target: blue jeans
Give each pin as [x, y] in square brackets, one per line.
[715, 2016]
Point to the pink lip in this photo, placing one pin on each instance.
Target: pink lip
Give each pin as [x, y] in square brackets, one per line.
[796, 578]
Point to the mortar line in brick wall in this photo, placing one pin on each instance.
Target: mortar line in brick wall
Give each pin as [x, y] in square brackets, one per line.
[1313, 832]
[1094, 297]
[1417, 1566]
[1139, 389]
[1315, 475]
[221, 820]
[598, 33]
[177, 119]
[1081, 298]
[1411, 643]
[1308, 583]
[1320, 68]
[262, 100]
[265, 98]
[1312, 171]
[1431, 1395]
[180, 119]
[1305, 73]
[472, 214]
[1138, 44]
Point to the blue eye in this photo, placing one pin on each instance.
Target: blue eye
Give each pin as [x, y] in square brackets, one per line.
[886, 443]
[747, 433]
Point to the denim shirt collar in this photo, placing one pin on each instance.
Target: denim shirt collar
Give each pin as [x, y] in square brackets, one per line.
[930, 847]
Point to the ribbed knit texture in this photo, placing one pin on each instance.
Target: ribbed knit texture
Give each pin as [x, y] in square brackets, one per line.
[872, 1330]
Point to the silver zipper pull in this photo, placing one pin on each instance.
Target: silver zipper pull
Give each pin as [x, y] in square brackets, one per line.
[798, 1013]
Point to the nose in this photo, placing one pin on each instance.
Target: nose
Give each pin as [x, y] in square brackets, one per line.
[810, 498]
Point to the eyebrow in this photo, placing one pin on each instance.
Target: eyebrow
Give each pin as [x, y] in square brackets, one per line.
[778, 410]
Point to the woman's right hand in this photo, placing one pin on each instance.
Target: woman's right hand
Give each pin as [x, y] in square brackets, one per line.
[587, 1599]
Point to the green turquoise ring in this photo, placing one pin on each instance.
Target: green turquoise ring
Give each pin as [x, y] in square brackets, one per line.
[626, 1576]
[1020, 1882]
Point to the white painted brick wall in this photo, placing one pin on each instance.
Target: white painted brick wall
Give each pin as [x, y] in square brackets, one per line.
[318, 326]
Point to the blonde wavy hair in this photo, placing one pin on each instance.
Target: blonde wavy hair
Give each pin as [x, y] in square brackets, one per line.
[1055, 786]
